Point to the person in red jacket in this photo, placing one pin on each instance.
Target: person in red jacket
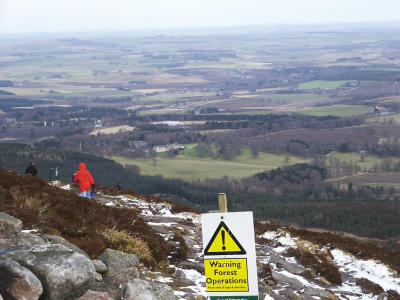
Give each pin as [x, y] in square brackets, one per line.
[85, 180]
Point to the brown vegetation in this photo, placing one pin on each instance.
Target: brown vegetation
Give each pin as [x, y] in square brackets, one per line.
[361, 250]
[318, 263]
[369, 287]
[78, 220]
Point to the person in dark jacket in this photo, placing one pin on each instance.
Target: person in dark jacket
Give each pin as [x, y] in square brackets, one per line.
[85, 180]
[31, 169]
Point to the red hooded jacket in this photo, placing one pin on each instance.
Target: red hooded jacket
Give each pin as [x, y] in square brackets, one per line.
[84, 178]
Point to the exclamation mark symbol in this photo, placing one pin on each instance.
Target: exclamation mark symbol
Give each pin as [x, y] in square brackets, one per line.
[223, 239]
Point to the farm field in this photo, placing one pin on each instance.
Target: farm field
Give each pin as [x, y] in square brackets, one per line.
[369, 163]
[336, 110]
[323, 84]
[391, 118]
[188, 168]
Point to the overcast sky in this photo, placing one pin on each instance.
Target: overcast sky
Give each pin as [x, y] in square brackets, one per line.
[92, 15]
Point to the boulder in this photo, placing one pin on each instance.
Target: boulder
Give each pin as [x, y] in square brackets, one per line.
[116, 260]
[17, 282]
[122, 277]
[55, 239]
[60, 269]
[191, 265]
[99, 266]
[10, 229]
[29, 239]
[138, 289]
[92, 295]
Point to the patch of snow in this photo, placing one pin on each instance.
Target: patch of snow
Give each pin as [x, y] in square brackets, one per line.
[164, 279]
[299, 278]
[197, 278]
[287, 240]
[268, 297]
[110, 204]
[269, 235]
[369, 269]
[161, 224]
[29, 230]
[66, 187]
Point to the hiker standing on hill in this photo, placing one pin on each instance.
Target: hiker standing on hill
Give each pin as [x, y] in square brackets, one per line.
[85, 180]
[31, 169]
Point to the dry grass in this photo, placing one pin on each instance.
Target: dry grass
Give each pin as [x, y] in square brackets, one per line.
[112, 130]
[122, 241]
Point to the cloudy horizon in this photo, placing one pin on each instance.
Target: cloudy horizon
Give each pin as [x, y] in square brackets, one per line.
[24, 16]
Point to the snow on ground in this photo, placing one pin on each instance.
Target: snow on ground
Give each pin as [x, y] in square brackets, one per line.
[66, 187]
[164, 279]
[197, 278]
[269, 235]
[166, 224]
[299, 278]
[369, 269]
[29, 230]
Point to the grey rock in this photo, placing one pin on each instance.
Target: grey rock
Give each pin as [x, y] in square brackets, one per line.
[280, 262]
[116, 260]
[55, 239]
[138, 289]
[383, 296]
[122, 277]
[8, 242]
[29, 239]
[285, 280]
[10, 228]
[189, 265]
[180, 274]
[60, 269]
[98, 277]
[310, 292]
[92, 295]
[99, 266]
[17, 282]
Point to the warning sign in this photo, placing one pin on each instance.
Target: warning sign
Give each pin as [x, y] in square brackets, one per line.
[227, 275]
[223, 242]
[230, 256]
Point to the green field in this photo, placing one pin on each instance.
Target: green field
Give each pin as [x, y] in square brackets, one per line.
[170, 97]
[369, 162]
[323, 84]
[282, 99]
[336, 110]
[188, 168]
[392, 118]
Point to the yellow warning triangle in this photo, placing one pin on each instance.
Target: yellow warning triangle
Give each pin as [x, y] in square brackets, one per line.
[223, 242]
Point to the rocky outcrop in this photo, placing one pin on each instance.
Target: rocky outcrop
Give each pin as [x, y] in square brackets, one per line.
[92, 295]
[60, 269]
[10, 229]
[138, 289]
[99, 266]
[116, 260]
[29, 239]
[17, 282]
[55, 239]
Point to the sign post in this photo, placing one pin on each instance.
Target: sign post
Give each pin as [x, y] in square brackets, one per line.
[229, 256]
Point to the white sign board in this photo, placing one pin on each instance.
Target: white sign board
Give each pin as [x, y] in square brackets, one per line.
[229, 256]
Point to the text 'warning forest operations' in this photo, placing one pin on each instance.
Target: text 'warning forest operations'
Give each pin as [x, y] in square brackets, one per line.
[226, 275]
